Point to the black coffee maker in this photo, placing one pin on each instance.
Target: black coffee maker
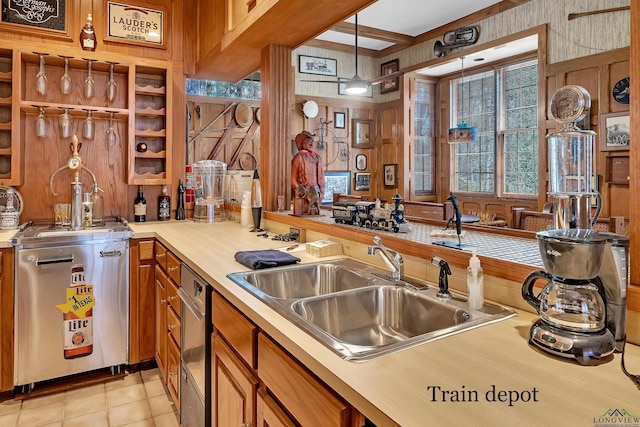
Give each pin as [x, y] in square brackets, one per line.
[582, 307]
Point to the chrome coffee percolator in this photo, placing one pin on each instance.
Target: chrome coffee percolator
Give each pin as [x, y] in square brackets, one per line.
[583, 304]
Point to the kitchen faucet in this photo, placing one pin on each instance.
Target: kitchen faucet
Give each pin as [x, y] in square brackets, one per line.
[391, 258]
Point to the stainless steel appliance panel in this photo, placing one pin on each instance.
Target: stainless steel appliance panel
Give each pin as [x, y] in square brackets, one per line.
[195, 349]
[42, 277]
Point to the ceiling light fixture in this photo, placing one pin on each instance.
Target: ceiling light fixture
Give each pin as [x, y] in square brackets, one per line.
[356, 86]
[463, 133]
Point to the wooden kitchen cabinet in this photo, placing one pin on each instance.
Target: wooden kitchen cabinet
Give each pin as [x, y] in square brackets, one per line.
[168, 318]
[6, 319]
[161, 335]
[269, 414]
[141, 300]
[173, 370]
[234, 388]
[300, 393]
[237, 330]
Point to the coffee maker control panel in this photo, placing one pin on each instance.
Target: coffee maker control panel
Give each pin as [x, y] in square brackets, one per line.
[556, 342]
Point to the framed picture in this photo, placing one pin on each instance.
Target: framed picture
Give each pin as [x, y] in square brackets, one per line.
[362, 133]
[48, 18]
[338, 120]
[614, 131]
[316, 65]
[390, 173]
[362, 181]
[361, 162]
[390, 68]
[342, 90]
[338, 182]
[152, 20]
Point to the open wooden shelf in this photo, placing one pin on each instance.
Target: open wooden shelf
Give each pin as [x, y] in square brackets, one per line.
[151, 90]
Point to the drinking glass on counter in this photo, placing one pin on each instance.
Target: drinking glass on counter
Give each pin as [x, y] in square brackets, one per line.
[62, 214]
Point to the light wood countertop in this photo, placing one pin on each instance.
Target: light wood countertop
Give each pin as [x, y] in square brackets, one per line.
[400, 388]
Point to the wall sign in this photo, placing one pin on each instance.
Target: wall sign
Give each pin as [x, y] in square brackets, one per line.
[37, 14]
[135, 24]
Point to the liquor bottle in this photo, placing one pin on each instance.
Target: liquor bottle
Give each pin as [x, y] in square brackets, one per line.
[164, 205]
[180, 214]
[189, 195]
[10, 217]
[78, 322]
[88, 39]
[140, 207]
[141, 147]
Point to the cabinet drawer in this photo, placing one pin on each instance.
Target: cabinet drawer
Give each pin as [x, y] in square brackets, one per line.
[269, 413]
[145, 249]
[295, 388]
[173, 325]
[172, 296]
[240, 332]
[173, 369]
[173, 267]
[617, 170]
[161, 255]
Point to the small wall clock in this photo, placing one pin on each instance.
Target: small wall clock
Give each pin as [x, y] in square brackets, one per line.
[620, 91]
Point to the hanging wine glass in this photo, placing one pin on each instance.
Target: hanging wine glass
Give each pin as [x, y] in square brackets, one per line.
[41, 77]
[65, 122]
[65, 80]
[89, 127]
[111, 84]
[89, 83]
[41, 124]
[111, 132]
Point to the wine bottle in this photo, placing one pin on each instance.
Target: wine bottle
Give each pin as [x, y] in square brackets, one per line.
[164, 205]
[140, 207]
[88, 40]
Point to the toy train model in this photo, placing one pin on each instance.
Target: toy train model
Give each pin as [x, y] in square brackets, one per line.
[372, 215]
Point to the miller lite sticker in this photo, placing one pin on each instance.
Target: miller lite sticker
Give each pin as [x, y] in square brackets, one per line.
[77, 319]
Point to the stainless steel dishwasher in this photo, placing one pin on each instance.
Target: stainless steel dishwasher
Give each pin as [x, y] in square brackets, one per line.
[72, 301]
[195, 349]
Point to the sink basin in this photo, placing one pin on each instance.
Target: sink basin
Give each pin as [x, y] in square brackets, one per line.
[379, 315]
[306, 280]
[351, 308]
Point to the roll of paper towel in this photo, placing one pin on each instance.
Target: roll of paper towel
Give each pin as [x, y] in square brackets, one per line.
[245, 210]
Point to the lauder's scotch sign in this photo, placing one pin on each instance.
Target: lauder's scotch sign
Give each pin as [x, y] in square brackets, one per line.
[134, 24]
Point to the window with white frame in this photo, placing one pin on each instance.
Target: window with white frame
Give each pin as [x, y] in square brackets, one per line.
[503, 104]
[424, 137]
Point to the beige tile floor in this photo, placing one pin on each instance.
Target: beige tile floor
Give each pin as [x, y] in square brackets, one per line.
[140, 399]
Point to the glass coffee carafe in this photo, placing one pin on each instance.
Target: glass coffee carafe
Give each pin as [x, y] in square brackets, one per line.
[571, 299]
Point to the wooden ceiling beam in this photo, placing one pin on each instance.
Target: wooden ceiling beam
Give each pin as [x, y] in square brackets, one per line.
[339, 47]
[375, 33]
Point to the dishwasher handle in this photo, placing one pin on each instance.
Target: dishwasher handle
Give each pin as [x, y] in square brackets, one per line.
[188, 302]
[55, 260]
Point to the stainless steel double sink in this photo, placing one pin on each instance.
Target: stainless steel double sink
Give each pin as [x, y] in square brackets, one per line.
[358, 311]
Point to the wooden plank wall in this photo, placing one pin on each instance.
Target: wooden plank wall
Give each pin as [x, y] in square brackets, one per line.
[119, 201]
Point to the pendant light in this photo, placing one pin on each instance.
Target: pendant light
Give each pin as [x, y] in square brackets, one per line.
[463, 133]
[356, 86]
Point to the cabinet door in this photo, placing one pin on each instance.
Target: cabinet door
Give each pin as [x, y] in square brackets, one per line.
[160, 254]
[309, 401]
[173, 370]
[161, 321]
[234, 388]
[141, 301]
[6, 319]
[269, 413]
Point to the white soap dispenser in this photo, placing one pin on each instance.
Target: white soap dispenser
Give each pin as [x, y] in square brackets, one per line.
[475, 282]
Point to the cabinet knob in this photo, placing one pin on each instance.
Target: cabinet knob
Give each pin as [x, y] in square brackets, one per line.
[245, 425]
[170, 327]
[161, 255]
[171, 298]
[162, 301]
[173, 268]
